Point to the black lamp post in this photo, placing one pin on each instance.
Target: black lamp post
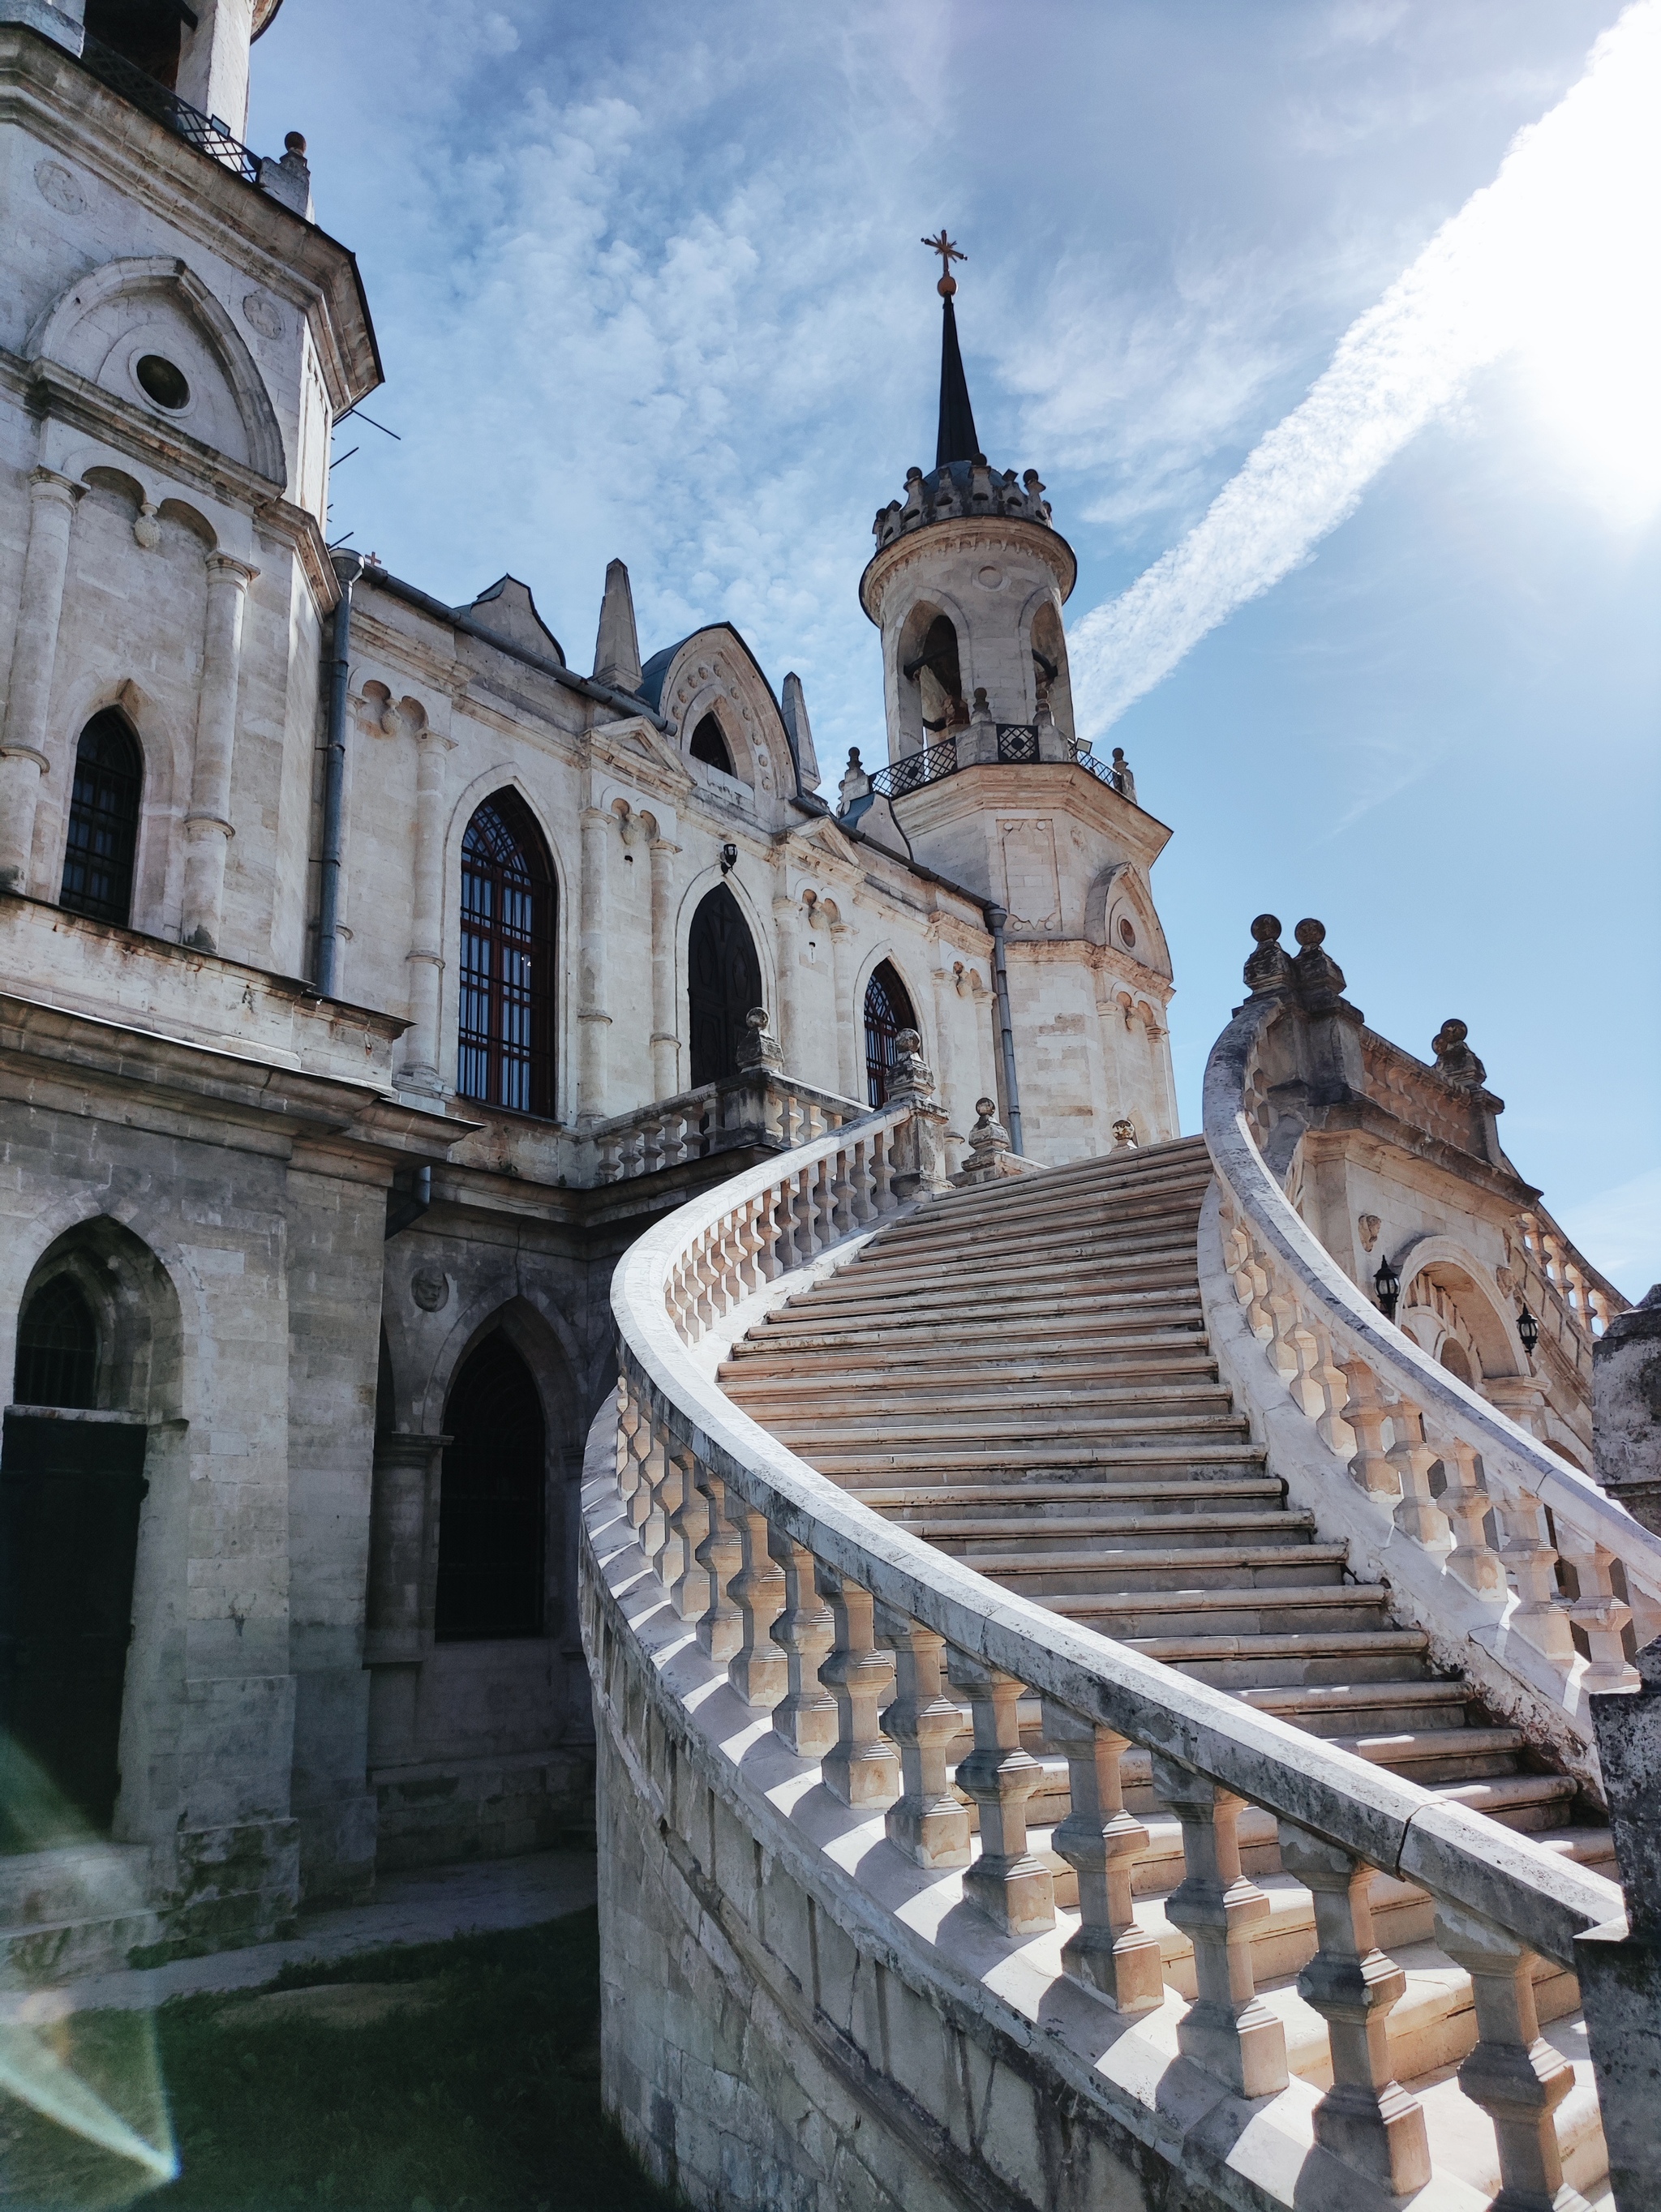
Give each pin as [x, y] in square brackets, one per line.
[1528, 1329]
[1388, 1284]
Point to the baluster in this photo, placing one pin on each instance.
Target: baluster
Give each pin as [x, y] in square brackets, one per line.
[611, 1166]
[1102, 1842]
[1014, 1890]
[1280, 1350]
[646, 1505]
[757, 1670]
[843, 1218]
[928, 1821]
[806, 1716]
[1328, 1381]
[628, 1421]
[1514, 2074]
[673, 1138]
[1364, 1410]
[1228, 2029]
[720, 1626]
[861, 1767]
[1541, 1619]
[665, 1538]
[863, 1180]
[689, 1517]
[882, 1172]
[1418, 1515]
[701, 1310]
[1466, 1503]
[1367, 2118]
[651, 1153]
[1601, 1613]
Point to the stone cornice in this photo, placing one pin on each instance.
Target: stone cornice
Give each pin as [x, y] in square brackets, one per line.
[965, 532]
[1033, 787]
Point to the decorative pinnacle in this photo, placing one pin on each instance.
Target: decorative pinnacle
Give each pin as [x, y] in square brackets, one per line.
[948, 253]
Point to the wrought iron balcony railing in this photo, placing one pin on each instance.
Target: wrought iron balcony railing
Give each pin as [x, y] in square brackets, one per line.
[205, 132]
[1017, 744]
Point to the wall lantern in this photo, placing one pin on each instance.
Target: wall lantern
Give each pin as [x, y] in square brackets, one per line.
[1388, 1284]
[1528, 1329]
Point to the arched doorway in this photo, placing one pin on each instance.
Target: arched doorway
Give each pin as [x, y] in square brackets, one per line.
[723, 985]
[888, 1009]
[505, 1053]
[492, 1511]
[70, 1496]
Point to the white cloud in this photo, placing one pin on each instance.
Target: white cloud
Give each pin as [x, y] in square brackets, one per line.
[1557, 257]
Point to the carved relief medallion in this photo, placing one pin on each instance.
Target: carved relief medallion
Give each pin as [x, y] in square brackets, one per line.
[429, 1289]
[60, 188]
[262, 313]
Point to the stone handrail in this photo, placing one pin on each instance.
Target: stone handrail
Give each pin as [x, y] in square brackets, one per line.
[1479, 1554]
[810, 1607]
[757, 1106]
[1572, 1301]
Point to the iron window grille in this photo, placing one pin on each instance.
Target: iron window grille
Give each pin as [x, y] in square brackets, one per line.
[888, 1009]
[57, 1348]
[505, 1056]
[103, 837]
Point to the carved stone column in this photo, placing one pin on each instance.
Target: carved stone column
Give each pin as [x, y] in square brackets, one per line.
[426, 954]
[665, 1041]
[402, 1561]
[850, 1033]
[593, 1020]
[35, 655]
[785, 914]
[207, 828]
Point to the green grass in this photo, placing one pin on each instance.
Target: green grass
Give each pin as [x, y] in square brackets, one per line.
[486, 2101]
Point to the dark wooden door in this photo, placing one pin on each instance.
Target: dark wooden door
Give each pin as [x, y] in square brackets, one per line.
[69, 1495]
[724, 985]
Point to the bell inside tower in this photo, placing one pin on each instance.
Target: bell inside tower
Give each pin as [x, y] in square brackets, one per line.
[938, 674]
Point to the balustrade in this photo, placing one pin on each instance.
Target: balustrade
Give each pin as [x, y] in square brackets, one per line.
[841, 1627]
[1447, 1475]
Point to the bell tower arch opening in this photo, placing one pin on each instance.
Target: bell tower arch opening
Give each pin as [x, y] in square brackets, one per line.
[723, 984]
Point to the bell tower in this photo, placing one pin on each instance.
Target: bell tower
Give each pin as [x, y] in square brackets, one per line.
[992, 787]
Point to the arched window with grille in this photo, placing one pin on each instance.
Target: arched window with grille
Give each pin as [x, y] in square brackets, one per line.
[109, 780]
[888, 1009]
[507, 1013]
[57, 1348]
[492, 1500]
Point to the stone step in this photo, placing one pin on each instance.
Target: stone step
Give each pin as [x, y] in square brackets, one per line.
[41, 1954]
[968, 1290]
[1022, 1257]
[1272, 1609]
[904, 1431]
[848, 1363]
[1076, 1228]
[997, 1408]
[1524, 1801]
[946, 1462]
[72, 1882]
[1149, 1258]
[1128, 1496]
[1437, 1755]
[1386, 1705]
[962, 1211]
[1047, 1535]
[1078, 1324]
[1306, 1659]
[1201, 1571]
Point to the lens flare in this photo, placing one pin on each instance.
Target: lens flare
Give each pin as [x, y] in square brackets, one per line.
[1553, 263]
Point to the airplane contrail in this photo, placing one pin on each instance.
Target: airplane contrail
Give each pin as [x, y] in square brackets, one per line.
[1518, 252]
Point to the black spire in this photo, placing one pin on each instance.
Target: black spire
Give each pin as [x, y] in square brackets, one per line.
[957, 441]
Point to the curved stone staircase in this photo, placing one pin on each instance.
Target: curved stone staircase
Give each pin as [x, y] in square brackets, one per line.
[1020, 1374]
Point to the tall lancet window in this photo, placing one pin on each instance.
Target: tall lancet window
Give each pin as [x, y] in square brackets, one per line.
[506, 1028]
[109, 776]
[888, 1009]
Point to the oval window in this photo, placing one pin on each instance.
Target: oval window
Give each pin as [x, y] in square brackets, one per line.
[1127, 935]
[161, 381]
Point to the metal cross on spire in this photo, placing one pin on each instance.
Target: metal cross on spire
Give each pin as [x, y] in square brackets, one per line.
[948, 253]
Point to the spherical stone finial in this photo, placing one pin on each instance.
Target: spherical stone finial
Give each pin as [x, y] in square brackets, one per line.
[1266, 928]
[1453, 1031]
[985, 1109]
[1311, 934]
[294, 144]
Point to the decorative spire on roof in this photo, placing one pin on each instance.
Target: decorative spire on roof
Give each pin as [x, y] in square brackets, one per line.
[957, 441]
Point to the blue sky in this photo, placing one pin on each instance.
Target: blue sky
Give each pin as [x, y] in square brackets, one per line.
[647, 282]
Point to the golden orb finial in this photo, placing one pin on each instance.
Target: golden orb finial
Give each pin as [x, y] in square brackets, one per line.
[948, 253]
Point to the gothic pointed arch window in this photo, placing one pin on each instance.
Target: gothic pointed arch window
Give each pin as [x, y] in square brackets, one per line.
[888, 1009]
[506, 1055]
[103, 837]
[492, 1511]
[57, 1347]
[709, 746]
[723, 984]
